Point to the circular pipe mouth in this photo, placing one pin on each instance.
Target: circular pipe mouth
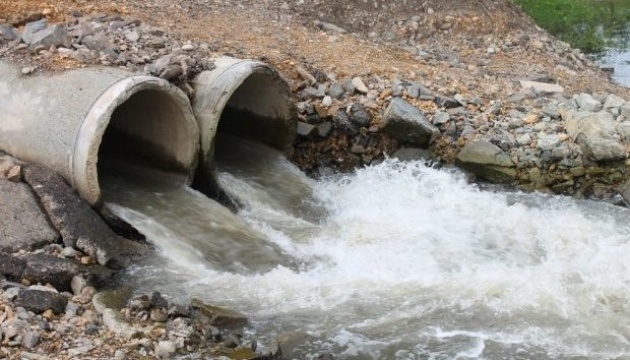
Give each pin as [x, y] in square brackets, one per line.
[242, 98]
[139, 121]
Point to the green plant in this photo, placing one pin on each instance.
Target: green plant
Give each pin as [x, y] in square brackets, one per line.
[585, 24]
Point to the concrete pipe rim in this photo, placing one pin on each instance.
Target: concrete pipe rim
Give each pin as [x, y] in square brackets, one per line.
[89, 138]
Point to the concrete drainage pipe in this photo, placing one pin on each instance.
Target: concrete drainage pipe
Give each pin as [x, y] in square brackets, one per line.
[244, 98]
[76, 121]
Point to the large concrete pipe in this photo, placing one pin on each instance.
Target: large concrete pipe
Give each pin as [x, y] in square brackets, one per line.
[245, 98]
[76, 121]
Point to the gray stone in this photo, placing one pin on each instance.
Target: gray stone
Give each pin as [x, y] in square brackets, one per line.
[329, 27]
[132, 36]
[359, 114]
[305, 130]
[165, 349]
[547, 142]
[57, 271]
[188, 47]
[551, 110]
[412, 154]
[39, 301]
[79, 225]
[98, 42]
[406, 123]
[23, 225]
[342, 120]
[155, 43]
[82, 350]
[596, 133]
[441, 117]
[54, 35]
[31, 28]
[324, 129]
[613, 101]
[30, 339]
[336, 90]
[8, 32]
[311, 93]
[413, 91]
[77, 284]
[625, 110]
[487, 161]
[587, 103]
[11, 267]
[623, 129]
[359, 85]
[348, 86]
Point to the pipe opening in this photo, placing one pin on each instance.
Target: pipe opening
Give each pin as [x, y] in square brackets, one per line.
[259, 110]
[151, 133]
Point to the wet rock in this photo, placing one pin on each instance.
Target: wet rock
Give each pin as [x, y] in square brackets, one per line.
[218, 316]
[79, 225]
[39, 301]
[59, 272]
[412, 154]
[406, 123]
[359, 115]
[587, 103]
[596, 134]
[23, 225]
[157, 301]
[487, 160]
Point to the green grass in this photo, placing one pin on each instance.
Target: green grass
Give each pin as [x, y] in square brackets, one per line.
[590, 25]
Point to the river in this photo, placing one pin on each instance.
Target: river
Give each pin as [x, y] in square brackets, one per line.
[617, 55]
[396, 261]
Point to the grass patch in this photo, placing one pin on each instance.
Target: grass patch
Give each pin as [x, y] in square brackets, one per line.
[590, 25]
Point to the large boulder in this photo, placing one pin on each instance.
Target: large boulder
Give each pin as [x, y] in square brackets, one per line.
[487, 161]
[39, 301]
[79, 224]
[597, 135]
[23, 225]
[406, 123]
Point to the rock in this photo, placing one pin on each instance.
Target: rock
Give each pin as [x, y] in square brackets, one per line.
[155, 43]
[59, 272]
[625, 110]
[587, 103]
[158, 315]
[547, 142]
[39, 301]
[220, 317]
[342, 120]
[120, 355]
[412, 154]
[77, 284]
[328, 27]
[78, 351]
[305, 130]
[23, 225]
[30, 339]
[524, 139]
[188, 47]
[359, 115]
[487, 161]
[31, 28]
[108, 304]
[8, 32]
[165, 349]
[324, 129]
[407, 124]
[359, 86]
[542, 88]
[441, 117]
[336, 90]
[157, 301]
[311, 93]
[327, 101]
[446, 102]
[596, 133]
[11, 267]
[98, 42]
[79, 225]
[132, 36]
[54, 35]
[623, 128]
[142, 302]
[613, 101]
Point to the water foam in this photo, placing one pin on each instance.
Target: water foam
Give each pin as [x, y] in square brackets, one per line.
[411, 262]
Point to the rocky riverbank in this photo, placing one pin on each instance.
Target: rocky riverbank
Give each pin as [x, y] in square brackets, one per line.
[475, 85]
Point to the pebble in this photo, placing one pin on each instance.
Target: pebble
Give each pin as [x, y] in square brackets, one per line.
[359, 85]
[188, 47]
[165, 349]
[27, 70]
[327, 101]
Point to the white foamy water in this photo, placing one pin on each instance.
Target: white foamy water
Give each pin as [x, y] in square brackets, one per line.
[414, 263]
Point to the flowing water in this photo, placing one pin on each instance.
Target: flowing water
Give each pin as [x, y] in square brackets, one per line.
[397, 261]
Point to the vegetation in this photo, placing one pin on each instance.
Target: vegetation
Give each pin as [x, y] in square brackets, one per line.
[590, 25]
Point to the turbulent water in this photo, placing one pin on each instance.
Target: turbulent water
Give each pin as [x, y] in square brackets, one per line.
[401, 261]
